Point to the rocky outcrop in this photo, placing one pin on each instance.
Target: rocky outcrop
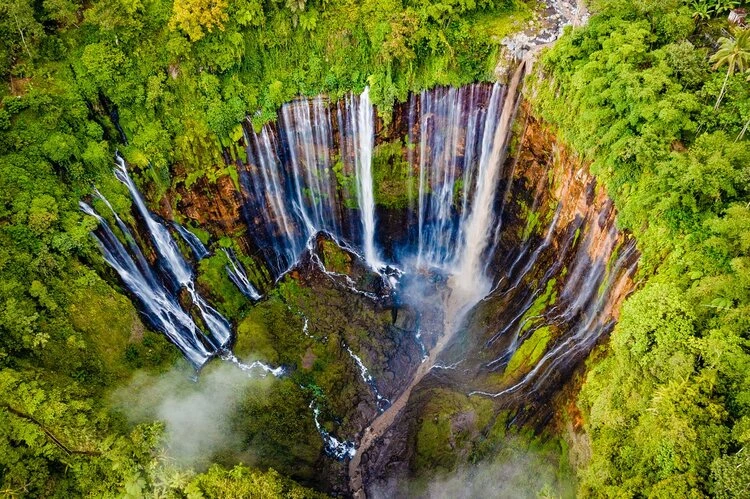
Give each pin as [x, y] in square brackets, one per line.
[215, 206]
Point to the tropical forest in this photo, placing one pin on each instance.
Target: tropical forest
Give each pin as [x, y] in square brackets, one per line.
[374, 249]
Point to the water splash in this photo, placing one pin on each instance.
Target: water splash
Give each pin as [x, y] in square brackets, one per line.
[335, 448]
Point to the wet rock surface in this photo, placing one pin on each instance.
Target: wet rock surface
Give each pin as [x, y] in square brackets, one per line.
[546, 26]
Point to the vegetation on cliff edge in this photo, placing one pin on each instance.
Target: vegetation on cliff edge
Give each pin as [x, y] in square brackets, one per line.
[636, 92]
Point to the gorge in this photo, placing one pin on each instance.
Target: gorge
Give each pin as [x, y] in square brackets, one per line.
[472, 197]
[374, 248]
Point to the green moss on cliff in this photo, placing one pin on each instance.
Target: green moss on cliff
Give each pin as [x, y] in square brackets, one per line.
[540, 304]
[393, 179]
[120, 340]
[529, 353]
[449, 424]
[347, 184]
[274, 332]
[270, 332]
[334, 258]
[465, 447]
[213, 278]
[254, 337]
[277, 424]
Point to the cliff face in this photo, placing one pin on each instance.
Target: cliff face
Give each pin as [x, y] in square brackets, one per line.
[217, 206]
[561, 271]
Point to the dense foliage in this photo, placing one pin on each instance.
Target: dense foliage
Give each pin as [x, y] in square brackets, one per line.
[654, 93]
[656, 98]
[183, 76]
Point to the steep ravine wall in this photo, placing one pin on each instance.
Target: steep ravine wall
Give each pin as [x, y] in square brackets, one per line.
[560, 272]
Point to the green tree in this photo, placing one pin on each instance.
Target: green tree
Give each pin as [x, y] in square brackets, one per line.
[20, 32]
[241, 481]
[198, 17]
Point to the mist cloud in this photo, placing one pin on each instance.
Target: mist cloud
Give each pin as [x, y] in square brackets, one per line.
[197, 415]
[515, 472]
[523, 476]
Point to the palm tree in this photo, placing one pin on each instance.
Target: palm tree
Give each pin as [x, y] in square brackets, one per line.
[735, 54]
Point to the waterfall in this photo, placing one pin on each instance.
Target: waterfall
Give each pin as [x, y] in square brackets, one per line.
[453, 241]
[456, 132]
[364, 133]
[160, 236]
[313, 171]
[265, 192]
[174, 262]
[306, 131]
[291, 185]
[238, 276]
[156, 288]
[478, 226]
[589, 289]
[196, 246]
[158, 304]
